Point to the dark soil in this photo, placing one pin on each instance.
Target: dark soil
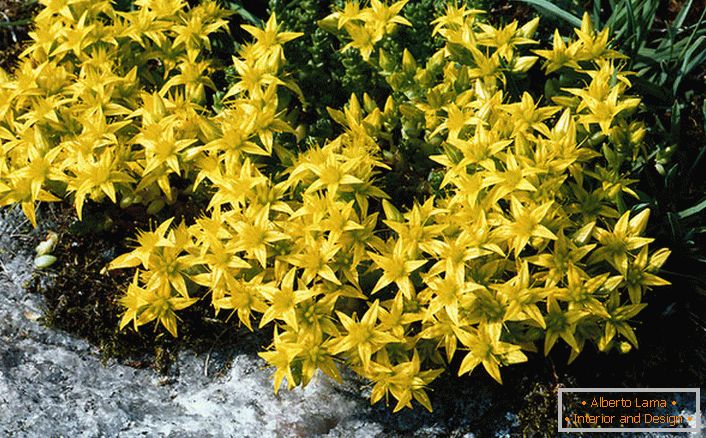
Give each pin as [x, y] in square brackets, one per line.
[15, 19]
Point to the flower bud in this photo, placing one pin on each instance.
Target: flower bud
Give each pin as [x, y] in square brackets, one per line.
[44, 261]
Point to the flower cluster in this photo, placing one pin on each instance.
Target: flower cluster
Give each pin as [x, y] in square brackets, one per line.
[226, 251]
[526, 241]
[106, 103]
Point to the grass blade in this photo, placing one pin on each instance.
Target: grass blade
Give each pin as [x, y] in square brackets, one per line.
[679, 21]
[696, 209]
[23, 22]
[553, 9]
[690, 61]
[632, 30]
[596, 14]
[247, 15]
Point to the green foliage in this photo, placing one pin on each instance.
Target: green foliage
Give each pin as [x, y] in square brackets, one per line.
[328, 76]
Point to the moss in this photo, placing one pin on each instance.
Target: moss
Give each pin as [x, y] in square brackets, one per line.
[537, 415]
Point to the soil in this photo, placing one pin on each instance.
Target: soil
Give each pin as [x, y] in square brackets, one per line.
[13, 36]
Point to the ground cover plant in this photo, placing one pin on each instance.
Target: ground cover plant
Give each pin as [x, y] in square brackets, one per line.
[522, 236]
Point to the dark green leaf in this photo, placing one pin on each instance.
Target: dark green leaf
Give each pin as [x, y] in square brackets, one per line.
[696, 209]
[555, 10]
[679, 21]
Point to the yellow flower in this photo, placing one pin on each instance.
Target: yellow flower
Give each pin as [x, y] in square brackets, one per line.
[562, 324]
[315, 356]
[560, 56]
[147, 243]
[522, 298]
[245, 297]
[282, 358]
[405, 381]
[447, 294]
[133, 302]
[315, 259]
[418, 232]
[162, 305]
[363, 338]
[525, 225]
[618, 321]
[396, 268]
[638, 273]
[505, 39]
[513, 179]
[283, 300]
[594, 46]
[195, 30]
[255, 232]
[350, 12]
[96, 176]
[625, 237]
[363, 39]
[268, 44]
[486, 348]
[603, 111]
[454, 17]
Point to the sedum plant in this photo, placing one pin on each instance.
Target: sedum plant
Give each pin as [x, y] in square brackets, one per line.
[526, 243]
[107, 104]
